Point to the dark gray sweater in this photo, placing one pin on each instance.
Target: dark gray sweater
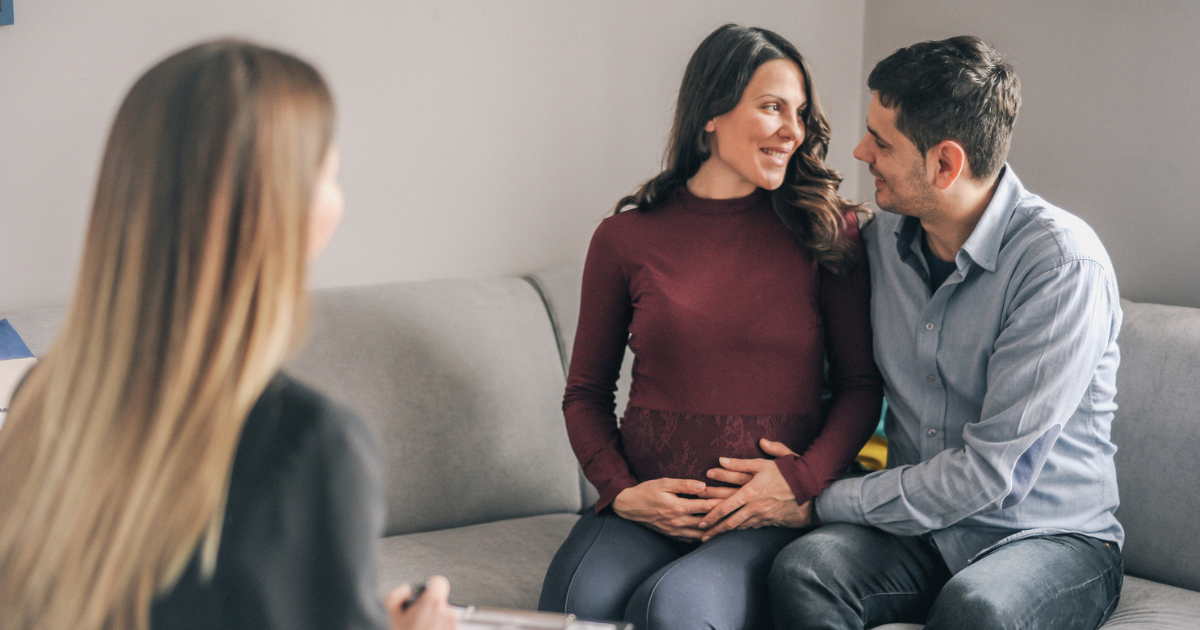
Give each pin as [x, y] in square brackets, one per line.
[299, 548]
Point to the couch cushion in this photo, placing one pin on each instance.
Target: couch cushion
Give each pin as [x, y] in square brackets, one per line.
[493, 564]
[1147, 605]
[464, 381]
[1144, 605]
[1157, 432]
[38, 327]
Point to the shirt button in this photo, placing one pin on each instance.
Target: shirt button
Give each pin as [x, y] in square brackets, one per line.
[931, 378]
[932, 433]
[929, 326]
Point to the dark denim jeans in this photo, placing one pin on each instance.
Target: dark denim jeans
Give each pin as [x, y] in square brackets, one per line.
[613, 569]
[849, 576]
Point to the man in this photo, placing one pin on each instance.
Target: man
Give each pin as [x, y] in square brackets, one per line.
[995, 317]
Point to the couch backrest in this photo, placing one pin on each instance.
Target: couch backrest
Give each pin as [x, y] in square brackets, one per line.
[1157, 432]
[463, 380]
[465, 383]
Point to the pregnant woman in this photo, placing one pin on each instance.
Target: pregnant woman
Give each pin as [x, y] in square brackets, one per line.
[732, 275]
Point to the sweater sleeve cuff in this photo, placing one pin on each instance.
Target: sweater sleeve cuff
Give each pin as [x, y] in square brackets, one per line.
[840, 503]
[797, 477]
[611, 490]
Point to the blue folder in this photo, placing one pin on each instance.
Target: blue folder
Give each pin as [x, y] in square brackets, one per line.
[11, 346]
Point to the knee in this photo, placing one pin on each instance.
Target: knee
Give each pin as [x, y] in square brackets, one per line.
[809, 582]
[962, 604]
[809, 564]
[669, 603]
[574, 586]
[791, 576]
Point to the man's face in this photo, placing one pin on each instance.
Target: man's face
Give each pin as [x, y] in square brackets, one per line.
[901, 184]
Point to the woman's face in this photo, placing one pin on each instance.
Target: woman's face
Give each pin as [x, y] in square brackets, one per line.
[752, 143]
[328, 204]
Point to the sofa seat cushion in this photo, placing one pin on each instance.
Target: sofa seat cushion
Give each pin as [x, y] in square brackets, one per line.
[499, 564]
[1145, 605]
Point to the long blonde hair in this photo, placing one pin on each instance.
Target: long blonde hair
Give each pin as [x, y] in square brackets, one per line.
[116, 456]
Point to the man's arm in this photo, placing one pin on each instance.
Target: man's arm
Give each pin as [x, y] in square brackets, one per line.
[1044, 360]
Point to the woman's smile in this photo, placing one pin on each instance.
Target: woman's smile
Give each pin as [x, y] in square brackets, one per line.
[778, 157]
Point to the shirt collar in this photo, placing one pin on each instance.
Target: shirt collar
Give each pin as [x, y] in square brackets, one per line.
[907, 230]
[983, 246]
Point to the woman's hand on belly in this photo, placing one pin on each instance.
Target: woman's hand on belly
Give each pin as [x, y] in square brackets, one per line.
[656, 504]
[764, 499]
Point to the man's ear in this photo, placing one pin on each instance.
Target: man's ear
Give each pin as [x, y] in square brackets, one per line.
[948, 161]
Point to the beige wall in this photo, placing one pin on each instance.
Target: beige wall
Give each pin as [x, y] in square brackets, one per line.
[479, 137]
[1108, 129]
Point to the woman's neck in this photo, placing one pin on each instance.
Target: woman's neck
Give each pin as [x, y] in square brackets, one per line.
[716, 180]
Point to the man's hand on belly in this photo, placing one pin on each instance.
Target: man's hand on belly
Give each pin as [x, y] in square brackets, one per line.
[656, 504]
[764, 499]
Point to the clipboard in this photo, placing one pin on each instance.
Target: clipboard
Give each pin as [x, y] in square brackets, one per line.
[483, 618]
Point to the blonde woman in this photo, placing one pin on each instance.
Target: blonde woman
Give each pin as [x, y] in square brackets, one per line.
[156, 470]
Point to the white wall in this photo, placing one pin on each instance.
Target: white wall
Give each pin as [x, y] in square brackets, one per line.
[479, 138]
[1108, 129]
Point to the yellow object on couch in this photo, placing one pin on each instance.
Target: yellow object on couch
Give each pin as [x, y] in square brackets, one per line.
[873, 455]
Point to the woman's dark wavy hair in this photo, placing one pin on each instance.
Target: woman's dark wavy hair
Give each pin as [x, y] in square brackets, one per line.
[716, 76]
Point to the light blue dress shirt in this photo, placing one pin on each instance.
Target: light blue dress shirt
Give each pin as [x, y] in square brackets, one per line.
[999, 385]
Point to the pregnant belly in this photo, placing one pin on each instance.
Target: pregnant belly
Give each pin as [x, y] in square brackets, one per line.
[686, 445]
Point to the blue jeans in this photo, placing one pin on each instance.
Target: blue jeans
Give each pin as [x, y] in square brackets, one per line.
[851, 576]
[613, 569]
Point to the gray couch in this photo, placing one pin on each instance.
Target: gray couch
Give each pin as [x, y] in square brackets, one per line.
[464, 379]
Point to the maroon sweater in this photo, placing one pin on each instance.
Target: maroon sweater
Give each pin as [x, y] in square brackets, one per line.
[729, 321]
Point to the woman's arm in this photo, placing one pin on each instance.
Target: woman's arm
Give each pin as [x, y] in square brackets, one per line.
[854, 378]
[779, 491]
[589, 404]
[300, 548]
[349, 502]
[325, 569]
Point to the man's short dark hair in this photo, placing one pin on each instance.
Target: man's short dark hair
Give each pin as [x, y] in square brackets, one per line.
[954, 89]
